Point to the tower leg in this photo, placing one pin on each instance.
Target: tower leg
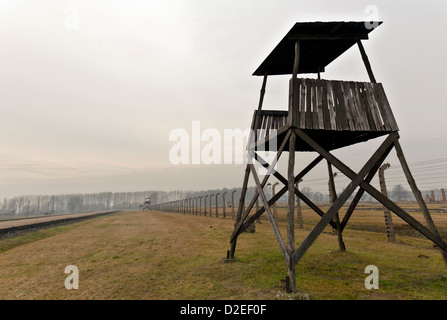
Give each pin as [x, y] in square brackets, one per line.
[333, 194]
[417, 194]
[291, 211]
[239, 209]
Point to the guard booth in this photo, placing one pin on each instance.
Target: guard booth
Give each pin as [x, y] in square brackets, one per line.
[322, 115]
[147, 203]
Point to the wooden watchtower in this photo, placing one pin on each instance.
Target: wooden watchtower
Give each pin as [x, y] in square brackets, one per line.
[323, 115]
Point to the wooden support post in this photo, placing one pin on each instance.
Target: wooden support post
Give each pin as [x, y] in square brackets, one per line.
[296, 61]
[293, 94]
[256, 123]
[253, 156]
[373, 191]
[270, 216]
[361, 191]
[356, 181]
[240, 208]
[299, 214]
[291, 210]
[275, 198]
[366, 61]
[262, 93]
[247, 169]
[297, 193]
[418, 195]
[333, 196]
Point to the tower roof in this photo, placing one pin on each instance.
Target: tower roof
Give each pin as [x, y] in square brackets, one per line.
[320, 44]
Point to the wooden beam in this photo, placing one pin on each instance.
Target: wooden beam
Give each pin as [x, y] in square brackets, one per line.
[275, 228]
[296, 61]
[278, 195]
[264, 181]
[262, 93]
[326, 36]
[239, 209]
[293, 93]
[261, 210]
[291, 210]
[256, 122]
[357, 179]
[361, 191]
[300, 195]
[333, 194]
[417, 194]
[366, 62]
[373, 191]
[405, 216]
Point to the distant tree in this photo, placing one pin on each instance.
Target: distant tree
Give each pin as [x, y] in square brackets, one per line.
[74, 204]
[20, 203]
[317, 196]
[5, 202]
[307, 191]
[399, 193]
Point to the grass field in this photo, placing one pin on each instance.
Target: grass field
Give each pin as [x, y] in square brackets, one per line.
[155, 255]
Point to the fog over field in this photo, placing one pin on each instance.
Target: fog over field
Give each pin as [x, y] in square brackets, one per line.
[90, 90]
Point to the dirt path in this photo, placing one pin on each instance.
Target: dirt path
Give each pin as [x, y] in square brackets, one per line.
[16, 227]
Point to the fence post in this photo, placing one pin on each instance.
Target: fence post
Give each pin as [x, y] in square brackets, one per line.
[275, 212]
[217, 214]
[299, 214]
[223, 205]
[232, 203]
[211, 208]
[389, 227]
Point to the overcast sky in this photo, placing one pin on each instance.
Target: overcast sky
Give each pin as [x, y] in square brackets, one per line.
[90, 90]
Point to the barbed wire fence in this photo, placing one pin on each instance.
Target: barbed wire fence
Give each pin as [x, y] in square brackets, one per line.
[430, 175]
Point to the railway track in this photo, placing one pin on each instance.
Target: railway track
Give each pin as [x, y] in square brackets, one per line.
[15, 227]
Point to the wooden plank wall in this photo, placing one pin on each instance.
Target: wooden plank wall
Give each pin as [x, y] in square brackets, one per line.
[342, 105]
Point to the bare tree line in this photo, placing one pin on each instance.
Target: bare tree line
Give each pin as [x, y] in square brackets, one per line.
[33, 205]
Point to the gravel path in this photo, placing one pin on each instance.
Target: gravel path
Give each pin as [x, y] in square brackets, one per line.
[17, 226]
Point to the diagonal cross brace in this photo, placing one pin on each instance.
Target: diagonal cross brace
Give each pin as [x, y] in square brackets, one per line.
[357, 179]
[273, 223]
[252, 155]
[300, 195]
[361, 191]
[243, 225]
[374, 192]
